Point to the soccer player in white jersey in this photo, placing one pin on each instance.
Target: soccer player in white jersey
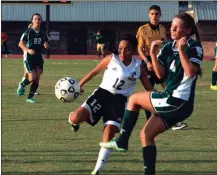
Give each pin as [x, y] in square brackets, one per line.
[109, 99]
[178, 63]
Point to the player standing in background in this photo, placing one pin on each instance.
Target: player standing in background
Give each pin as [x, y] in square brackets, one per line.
[25, 74]
[4, 40]
[214, 71]
[100, 43]
[146, 34]
[109, 100]
[31, 42]
[178, 62]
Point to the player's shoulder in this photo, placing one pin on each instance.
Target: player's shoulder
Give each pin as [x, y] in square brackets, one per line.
[194, 43]
[27, 31]
[144, 27]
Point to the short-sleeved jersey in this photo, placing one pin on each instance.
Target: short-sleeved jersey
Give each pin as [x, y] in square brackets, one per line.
[146, 35]
[34, 39]
[99, 38]
[177, 83]
[121, 79]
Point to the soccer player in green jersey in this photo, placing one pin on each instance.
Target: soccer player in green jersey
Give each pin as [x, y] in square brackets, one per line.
[178, 63]
[100, 43]
[31, 42]
[214, 72]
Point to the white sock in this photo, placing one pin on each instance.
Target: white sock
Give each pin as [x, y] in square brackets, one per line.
[102, 158]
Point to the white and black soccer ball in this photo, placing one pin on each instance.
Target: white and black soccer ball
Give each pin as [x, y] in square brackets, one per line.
[67, 89]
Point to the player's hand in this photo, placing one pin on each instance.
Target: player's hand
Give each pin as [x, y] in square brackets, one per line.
[149, 66]
[46, 45]
[31, 52]
[154, 46]
[182, 43]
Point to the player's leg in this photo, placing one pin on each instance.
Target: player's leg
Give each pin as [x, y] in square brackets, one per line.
[214, 76]
[98, 50]
[136, 102]
[152, 128]
[113, 114]
[29, 69]
[103, 50]
[38, 67]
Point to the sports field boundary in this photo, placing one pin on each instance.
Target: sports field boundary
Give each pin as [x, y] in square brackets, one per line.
[80, 57]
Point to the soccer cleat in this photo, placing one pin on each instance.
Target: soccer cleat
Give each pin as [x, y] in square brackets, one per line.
[179, 126]
[75, 128]
[95, 173]
[37, 93]
[112, 145]
[20, 90]
[213, 87]
[30, 100]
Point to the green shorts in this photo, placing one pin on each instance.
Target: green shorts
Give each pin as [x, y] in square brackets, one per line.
[31, 64]
[170, 109]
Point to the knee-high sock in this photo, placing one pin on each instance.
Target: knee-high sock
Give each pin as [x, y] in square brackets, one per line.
[33, 88]
[102, 158]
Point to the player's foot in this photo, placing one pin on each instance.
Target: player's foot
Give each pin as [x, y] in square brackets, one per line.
[179, 125]
[37, 93]
[95, 173]
[20, 90]
[75, 128]
[113, 145]
[213, 87]
[30, 100]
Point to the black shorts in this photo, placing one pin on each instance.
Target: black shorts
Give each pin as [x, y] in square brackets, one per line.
[103, 103]
[152, 76]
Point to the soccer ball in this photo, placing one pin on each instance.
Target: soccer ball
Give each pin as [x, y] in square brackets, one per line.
[67, 89]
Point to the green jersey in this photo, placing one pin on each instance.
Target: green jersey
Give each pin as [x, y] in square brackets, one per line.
[99, 38]
[177, 83]
[34, 40]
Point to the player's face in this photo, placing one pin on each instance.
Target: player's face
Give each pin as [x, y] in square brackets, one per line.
[178, 29]
[125, 50]
[36, 21]
[154, 17]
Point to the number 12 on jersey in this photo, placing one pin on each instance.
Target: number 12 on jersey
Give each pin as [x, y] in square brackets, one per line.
[118, 84]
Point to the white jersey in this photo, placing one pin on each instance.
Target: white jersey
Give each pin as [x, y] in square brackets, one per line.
[121, 79]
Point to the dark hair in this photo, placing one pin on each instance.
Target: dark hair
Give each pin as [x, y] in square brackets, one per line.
[34, 15]
[189, 23]
[155, 7]
[131, 39]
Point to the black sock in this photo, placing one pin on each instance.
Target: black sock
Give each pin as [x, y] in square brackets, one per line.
[214, 78]
[129, 121]
[25, 82]
[33, 88]
[149, 157]
[148, 114]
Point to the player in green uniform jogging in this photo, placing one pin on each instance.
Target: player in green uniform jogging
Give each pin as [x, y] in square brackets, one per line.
[178, 63]
[31, 42]
[213, 86]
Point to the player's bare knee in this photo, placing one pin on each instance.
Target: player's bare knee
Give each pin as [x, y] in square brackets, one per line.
[73, 118]
[146, 135]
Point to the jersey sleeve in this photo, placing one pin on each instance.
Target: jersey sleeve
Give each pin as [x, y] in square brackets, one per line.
[46, 38]
[162, 55]
[24, 37]
[195, 53]
[140, 37]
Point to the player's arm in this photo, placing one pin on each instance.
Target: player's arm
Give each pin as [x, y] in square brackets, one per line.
[46, 41]
[101, 66]
[159, 69]
[141, 45]
[22, 45]
[190, 65]
[144, 79]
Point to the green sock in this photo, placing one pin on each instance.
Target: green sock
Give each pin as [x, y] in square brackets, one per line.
[149, 157]
[214, 78]
[129, 121]
[25, 82]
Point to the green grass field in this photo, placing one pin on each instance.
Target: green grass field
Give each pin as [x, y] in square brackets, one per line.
[37, 139]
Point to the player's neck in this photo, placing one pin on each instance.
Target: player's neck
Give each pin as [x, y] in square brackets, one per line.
[36, 28]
